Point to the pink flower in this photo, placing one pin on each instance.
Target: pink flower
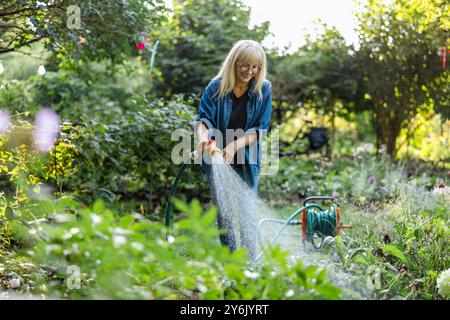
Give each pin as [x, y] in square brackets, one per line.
[140, 46]
[4, 120]
[46, 129]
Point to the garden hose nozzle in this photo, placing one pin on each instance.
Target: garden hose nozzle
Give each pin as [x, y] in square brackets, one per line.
[194, 154]
[214, 148]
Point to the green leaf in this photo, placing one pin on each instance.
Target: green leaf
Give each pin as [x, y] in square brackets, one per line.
[98, 207]
[208, 218]
[393, 250]
[10, 214]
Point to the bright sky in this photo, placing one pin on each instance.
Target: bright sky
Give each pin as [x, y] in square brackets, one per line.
[290, 18]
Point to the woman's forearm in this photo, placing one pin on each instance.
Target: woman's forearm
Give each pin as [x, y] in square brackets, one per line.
[202, 132]
[246, 140]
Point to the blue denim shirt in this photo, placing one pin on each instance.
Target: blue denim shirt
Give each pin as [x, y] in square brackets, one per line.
[215, 113]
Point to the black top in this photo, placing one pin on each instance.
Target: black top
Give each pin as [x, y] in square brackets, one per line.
[238, 117]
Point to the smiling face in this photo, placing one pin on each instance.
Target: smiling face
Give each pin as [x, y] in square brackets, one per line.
[245, 71]
[245, 66]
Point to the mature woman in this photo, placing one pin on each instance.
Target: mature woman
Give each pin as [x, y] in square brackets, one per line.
[235, 110]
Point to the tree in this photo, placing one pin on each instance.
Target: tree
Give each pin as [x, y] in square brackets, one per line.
[403, 73]
[196, 39]
[322, 72]
[81, 29]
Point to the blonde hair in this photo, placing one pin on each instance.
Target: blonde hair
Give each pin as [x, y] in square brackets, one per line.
[246, 51]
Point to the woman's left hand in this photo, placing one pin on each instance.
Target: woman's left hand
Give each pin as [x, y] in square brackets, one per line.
[229, 151]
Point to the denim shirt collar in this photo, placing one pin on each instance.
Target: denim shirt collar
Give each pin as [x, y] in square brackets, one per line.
[252, 87]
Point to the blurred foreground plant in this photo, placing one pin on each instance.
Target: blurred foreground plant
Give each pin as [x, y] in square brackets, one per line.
[134, 258]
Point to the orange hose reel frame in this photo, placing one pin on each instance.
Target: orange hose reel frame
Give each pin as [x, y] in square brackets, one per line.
[304, 225]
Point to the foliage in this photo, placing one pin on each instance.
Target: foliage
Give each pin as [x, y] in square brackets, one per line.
[90, 92]
[427, 138]
[372, 177]
[401, 247]
[402, 70]
[15, 96]
[362, 177]
[103, 30]
[21, 65]
[133, 258]
[322, 72]
[22, 165]
[196, 39]
[129, 155]
[117, 146]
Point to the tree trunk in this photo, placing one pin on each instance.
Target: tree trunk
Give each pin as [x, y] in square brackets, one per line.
[330, 143]
[387, 127]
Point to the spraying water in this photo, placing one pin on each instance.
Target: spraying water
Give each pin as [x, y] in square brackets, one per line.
[240, 209]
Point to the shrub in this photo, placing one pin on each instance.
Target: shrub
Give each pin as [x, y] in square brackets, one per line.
[133, 258]
[363, 177]
[118, 152]
[403, 246]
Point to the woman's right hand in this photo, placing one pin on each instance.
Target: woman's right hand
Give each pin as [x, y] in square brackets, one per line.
[203, 147]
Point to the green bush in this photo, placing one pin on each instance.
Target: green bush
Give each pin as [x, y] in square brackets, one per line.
[133, 258]
[363, 177]
[112, 150]
[129, 156]
[97, 93]
[402, 246]
[16, 96]
[370, 177]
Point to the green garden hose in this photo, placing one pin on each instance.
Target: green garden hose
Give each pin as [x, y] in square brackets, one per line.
[172, 193]
[314, 221]
[193, 155]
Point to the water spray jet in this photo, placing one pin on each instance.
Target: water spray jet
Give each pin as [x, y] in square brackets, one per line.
[313, 219]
